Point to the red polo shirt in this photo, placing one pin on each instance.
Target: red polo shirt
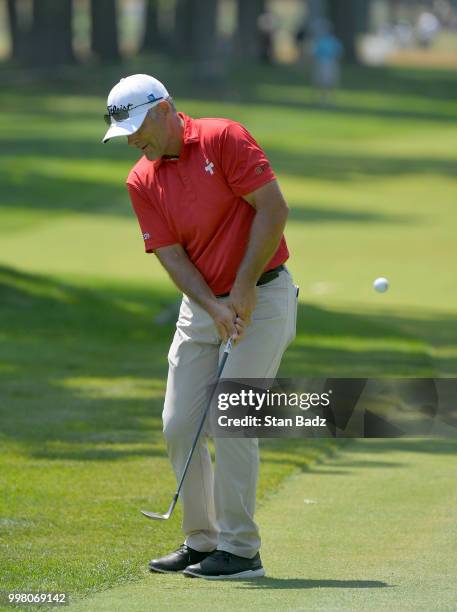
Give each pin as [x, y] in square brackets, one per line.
[196, 200]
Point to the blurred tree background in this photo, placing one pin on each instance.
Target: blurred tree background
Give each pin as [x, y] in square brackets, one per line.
[40, 33]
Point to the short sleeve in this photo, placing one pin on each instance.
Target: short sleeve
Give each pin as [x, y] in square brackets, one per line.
[155, 230]
[245, 165]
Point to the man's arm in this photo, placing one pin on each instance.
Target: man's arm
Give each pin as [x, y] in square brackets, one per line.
[266, 231]
[189, 280]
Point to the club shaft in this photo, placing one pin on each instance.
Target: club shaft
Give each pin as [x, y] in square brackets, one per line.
[203, 419]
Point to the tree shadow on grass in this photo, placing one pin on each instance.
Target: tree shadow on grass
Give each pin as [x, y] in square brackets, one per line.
[432, 446]
[54, 194]
[350, 167]
[432, 83]
[303, 583]
[239, 86]
[82, 371]
[303, 454]
[270, 582]
[407, 88]
[52, 191]
[375, 344]
[99, 191]
[318, 214]
[345, 109]
[372, 464]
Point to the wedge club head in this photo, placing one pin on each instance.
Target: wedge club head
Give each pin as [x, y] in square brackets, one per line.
[156, 515]
[161, 517]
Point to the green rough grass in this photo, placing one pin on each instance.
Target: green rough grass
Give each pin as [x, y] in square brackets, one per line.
[371, 185]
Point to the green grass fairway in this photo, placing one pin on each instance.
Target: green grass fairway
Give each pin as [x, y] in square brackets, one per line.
[86, 319]
[372, 529]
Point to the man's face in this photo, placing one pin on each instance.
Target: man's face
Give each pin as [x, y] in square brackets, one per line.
[152, 137]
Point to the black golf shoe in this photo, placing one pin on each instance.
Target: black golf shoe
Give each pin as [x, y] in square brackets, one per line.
[222, 565]
[177, 560]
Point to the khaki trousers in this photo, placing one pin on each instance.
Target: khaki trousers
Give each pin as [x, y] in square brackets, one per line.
[218, 509]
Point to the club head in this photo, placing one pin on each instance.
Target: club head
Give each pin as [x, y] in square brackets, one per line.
[155, 515]
[162, 517]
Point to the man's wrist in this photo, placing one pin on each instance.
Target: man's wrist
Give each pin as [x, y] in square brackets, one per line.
[209, 304]
[245, 281]
[242, 286]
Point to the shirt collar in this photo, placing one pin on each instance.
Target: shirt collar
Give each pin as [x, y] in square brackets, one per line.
[190, 135]
[190, 129]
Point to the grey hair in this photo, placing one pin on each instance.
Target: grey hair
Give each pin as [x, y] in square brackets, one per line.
[171, 102]
[169, 99]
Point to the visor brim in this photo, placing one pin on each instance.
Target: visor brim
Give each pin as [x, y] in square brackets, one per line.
[125, 128]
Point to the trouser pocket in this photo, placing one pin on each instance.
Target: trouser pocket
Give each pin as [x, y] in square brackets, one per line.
[293, 314]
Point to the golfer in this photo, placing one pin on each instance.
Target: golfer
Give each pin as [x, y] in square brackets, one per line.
[211, 210]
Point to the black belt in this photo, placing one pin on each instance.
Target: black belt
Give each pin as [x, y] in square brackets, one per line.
[266, 277]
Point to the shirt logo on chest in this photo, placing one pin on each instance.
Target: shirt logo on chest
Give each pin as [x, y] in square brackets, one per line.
[209, 166]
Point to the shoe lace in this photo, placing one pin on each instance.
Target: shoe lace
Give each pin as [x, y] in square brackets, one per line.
[183, 548]
[223, 555]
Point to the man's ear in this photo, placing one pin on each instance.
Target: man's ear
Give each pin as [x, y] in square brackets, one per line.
[162, 108]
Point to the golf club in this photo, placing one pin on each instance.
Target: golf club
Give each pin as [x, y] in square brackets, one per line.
[163, 517]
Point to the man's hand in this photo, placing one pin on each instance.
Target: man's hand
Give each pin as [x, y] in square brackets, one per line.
[243, 301]
[228, 324]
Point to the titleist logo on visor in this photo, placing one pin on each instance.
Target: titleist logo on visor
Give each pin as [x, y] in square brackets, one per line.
[114, 110]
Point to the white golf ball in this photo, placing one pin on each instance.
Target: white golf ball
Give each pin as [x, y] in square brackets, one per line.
[381, 284]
